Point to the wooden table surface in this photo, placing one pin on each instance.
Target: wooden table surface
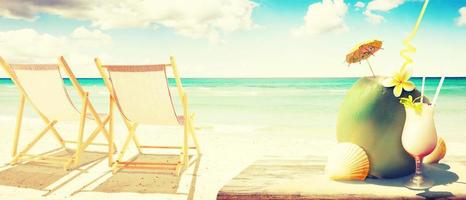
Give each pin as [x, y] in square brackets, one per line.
[303, 178]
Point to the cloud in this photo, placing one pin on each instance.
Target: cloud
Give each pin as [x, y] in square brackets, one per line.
[28, 9]
[461, 20]
[359, 4]
[194, 18]
[31, 46]
[324, 17]
[380, 6]
[84, 35]
[373, 18]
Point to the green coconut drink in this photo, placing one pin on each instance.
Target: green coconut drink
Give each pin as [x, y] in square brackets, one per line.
[373, 118]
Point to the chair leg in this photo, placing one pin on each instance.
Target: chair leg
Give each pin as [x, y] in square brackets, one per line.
[135, 138]
[99, 122]
[100, 127]
[82, 123]
[136, 142]
[34, 141]
[54, 131]
[185, 145]
[19, 119]
[111, 149]
[95, 133]
[125, 146]
[193, 135]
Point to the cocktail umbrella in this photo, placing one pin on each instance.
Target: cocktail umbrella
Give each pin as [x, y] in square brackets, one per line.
[363, 51]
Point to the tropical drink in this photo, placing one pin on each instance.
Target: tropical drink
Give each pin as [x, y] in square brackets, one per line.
[419, 135]
[419, 138]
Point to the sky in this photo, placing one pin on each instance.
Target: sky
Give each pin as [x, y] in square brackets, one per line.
[235, 38]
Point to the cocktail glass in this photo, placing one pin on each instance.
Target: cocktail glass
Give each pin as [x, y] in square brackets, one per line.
[419, 138]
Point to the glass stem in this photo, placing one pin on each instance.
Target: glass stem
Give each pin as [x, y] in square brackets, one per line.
[418, 165]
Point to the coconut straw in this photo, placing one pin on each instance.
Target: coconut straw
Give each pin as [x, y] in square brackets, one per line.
[438, 90]
[422, 88]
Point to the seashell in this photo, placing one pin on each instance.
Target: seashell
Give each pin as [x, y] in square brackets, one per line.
[347, 161]
[438, 153]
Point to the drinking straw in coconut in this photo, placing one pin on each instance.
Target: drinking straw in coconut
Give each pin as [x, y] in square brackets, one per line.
[438, 90]
[409, 48]
[422, 88]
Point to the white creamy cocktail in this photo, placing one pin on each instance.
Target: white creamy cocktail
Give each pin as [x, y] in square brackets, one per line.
[419, 134]
[419, 138]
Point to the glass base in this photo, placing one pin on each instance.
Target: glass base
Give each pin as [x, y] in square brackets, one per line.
[419, 182]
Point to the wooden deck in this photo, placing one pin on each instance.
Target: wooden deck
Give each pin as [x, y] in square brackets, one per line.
[303, 178]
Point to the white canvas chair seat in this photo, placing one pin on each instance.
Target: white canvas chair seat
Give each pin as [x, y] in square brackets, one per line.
[142, 94]
[43, 84]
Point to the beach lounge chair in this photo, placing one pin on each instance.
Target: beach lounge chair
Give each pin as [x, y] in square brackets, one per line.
[43, 87]
[142, 96]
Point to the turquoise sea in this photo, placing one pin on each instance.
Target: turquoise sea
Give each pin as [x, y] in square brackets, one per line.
[275, 105]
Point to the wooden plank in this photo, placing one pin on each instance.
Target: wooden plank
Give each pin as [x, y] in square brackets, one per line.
[303, 178]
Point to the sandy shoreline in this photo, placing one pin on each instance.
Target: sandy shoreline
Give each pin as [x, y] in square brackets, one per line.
[226, 152]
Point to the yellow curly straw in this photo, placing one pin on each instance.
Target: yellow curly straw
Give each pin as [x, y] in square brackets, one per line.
[407, 41]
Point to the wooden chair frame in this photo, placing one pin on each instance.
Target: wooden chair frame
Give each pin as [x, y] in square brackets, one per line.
[131, 126]
[81, 144]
